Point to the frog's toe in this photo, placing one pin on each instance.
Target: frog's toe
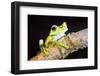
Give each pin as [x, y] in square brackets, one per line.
[45, 52]
[67, 47]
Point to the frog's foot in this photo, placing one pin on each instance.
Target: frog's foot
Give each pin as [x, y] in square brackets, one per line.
[65, 46]
[45, 52]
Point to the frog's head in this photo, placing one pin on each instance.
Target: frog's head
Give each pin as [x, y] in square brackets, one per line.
[55, 30]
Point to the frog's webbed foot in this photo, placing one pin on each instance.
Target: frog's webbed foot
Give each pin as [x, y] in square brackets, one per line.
[44, 51]
[65, 46]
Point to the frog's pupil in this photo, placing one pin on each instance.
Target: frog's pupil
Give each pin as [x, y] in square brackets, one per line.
[53, 28]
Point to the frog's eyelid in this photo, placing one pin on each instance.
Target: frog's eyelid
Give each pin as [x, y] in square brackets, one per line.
[54, 26]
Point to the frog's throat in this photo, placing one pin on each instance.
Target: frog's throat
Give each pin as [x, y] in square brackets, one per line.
[58, 36]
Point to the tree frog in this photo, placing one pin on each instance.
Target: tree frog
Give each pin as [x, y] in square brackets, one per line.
[56, 32]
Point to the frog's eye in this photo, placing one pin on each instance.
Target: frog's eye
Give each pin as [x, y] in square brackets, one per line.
[53, 28]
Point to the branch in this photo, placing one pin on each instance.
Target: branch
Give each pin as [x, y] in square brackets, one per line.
[75, 41]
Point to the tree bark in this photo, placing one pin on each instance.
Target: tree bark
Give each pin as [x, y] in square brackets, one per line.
[75, 40]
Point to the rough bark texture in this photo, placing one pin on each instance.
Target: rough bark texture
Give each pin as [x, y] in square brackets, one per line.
[75, 41]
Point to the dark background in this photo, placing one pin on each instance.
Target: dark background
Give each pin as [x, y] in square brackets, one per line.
[39, 27]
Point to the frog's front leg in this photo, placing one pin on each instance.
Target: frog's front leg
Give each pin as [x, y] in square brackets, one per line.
[65, 46]
[60, 46]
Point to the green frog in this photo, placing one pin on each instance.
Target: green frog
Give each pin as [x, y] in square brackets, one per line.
[56, 32]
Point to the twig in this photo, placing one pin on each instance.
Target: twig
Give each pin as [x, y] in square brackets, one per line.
[75, 41]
